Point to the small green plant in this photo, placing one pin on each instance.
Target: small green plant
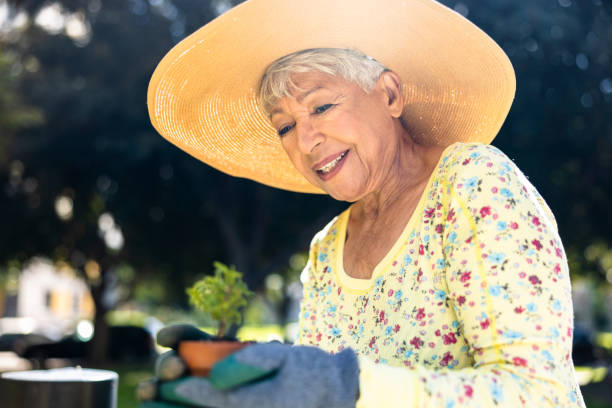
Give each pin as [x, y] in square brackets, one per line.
[221, 296]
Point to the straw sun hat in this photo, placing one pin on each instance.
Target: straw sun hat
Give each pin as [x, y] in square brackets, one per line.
[458, 83]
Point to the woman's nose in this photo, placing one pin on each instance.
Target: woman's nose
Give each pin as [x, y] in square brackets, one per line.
[309, 137]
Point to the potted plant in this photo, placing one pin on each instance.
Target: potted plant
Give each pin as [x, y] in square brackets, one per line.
[222, 297]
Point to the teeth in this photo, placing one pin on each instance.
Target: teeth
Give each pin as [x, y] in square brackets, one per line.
[329, 166]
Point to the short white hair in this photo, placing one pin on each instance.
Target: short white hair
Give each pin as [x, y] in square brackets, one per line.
[350, 64]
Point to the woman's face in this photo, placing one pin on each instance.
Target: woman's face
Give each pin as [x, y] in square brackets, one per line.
[339, 137]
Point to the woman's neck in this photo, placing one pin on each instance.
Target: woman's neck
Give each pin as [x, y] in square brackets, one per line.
[408, 175]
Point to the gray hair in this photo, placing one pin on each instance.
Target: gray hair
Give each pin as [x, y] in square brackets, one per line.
[349, 64]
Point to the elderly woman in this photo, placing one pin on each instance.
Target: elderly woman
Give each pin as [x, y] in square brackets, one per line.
[445, 282]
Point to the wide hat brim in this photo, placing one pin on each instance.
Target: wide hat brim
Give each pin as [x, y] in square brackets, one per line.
[458, 83]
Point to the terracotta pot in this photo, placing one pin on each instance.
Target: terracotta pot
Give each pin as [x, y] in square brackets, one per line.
[201, 356]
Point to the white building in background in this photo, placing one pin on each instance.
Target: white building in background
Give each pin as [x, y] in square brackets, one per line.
[54, 299]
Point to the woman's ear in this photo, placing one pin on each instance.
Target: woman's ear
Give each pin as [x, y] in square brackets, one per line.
[391, 86]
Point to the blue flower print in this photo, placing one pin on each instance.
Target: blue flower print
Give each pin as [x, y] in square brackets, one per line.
[440, 295]
[496, 391]
[471, 182]
[496, 257]
[511, 334]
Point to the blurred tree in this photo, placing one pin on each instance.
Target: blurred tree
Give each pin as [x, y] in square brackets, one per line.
[104, 189]
[14, 114]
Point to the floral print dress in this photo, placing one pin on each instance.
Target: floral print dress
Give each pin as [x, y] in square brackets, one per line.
[471, 307]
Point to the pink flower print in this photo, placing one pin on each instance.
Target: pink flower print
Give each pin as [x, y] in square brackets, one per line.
[451, 215]
[421, 249]
[484, 211]
[429, 212]
[396, 328]
[319, 337]
[417, 342]
[513, 225]
[466, 161]
[449, 338]
[534, 280]
[437, 333]
[465, 276]
[519, 361]
[559, 252]
[420, 313]
[494, 190]
[390, 293]
[461, 300]
[485, 323]
[535, 221]
[469, 391]
[447, 358]
[537, 244]
[439, 228]
[372, 341]
[519, 309]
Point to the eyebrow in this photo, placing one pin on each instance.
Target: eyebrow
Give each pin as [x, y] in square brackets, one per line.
[299, 98]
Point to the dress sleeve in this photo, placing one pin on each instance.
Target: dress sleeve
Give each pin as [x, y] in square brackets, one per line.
[306, 335]
[507, 280]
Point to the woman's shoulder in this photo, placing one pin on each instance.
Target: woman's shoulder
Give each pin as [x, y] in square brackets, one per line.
[475, 158]
[460, 154]
[327, 234]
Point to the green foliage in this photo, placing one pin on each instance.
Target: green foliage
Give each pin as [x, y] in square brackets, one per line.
[222, 296]
[14, 114]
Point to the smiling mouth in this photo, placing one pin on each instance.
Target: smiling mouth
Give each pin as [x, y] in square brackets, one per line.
[332, 164]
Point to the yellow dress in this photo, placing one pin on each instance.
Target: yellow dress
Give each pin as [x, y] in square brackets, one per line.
[471, 307]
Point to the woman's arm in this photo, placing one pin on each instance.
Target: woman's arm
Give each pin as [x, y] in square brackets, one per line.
[508, 282]
[310, 293]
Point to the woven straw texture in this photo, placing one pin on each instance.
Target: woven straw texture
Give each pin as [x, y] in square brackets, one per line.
[458, 83]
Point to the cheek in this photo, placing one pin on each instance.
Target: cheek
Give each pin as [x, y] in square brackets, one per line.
[295, 158]
[290, 150]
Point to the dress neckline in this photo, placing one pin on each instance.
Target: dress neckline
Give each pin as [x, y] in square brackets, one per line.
[358, 285]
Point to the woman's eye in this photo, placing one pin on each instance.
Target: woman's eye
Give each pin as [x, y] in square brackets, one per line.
[282, 131]
[323, 108]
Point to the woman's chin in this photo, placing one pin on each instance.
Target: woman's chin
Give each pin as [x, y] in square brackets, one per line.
[343, 194]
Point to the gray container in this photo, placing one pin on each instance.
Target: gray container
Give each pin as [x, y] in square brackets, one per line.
[59, 388]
